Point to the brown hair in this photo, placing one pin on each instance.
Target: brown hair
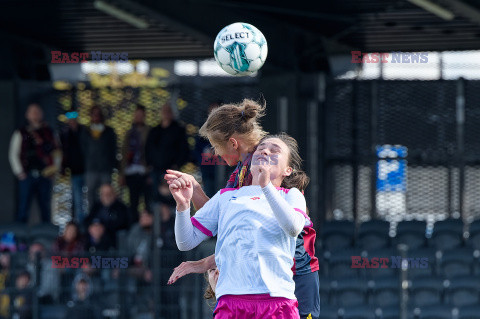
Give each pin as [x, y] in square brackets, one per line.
[298, 178]
[235, 118]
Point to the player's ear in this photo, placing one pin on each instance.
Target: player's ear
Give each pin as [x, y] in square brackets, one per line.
[233, 143]
[288, 171]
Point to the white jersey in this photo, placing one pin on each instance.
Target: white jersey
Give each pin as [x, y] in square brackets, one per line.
[253, 253]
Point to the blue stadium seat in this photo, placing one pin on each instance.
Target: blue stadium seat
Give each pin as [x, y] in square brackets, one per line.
[382, 272]
[438, 311]
[325, 288]
[469, 312]
[53, 312]
[373, 234]
[426, 291]
[411, 233]
[456, 262]
[463, 291]
[393, 312]
[474, 237]
[350, 292]
[385, 292]
[424, 252]
[337, 234]
[447, 234]
[358, 312]
[340, 263]
[44, 233]
[328, 312]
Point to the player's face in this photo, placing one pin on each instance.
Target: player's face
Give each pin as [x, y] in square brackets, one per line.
[228, 152]
[213, 277]
[275, 152]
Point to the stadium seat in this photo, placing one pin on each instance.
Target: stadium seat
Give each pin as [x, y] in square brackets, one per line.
[447, 234]
[325, 288]
[426, 291]
[385, 292]
[392, 312]
[350, 292]
[53, 312]
[328, 312]
[373, 234]
[463, 291]
[337, 234]
[473, 240]
[438, 311]
[469, 312]
[382, 272]
[424, 252]
[340, 263]
[411, 233]
[456, 262]
[358, 312]
[44, 233]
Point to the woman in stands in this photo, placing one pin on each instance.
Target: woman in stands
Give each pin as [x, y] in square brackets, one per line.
[234, 131]
[257, 227]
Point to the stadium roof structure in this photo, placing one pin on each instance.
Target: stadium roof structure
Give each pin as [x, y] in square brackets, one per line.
[300, 33]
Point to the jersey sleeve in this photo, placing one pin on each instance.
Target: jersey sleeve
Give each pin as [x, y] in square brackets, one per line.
[206, 218]
[296, 199]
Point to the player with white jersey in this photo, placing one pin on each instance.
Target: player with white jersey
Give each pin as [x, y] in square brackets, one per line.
[257, 227]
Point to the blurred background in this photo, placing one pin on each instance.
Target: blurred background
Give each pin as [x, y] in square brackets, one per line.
[392, 149]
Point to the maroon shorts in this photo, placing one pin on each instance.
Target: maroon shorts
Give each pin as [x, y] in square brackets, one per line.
[255, 306]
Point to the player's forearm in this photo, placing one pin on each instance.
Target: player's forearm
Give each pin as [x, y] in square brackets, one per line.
[199, 197]
[187, 236]
[209, 262]
[290, 220]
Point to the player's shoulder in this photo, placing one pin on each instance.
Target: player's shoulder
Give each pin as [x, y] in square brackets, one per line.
[290, 191]
[228, 190]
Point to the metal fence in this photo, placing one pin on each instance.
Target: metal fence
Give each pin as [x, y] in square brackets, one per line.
[434, 122]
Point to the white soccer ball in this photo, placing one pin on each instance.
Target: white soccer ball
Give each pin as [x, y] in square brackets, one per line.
[240, 49]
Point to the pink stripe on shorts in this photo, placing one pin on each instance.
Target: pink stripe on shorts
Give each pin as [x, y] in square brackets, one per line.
[255, 307]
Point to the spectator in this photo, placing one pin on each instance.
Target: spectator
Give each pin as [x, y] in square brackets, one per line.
[70, 243]
[5, 260]
[47, 280]
[82, 305]
[133, 168]
[34, 161]
[99, 145]
[167, 228]
[97, 239]
[22, 299]
[139, 245]
[73, 160]
[112, 213]
[166, 147]
[203, 154]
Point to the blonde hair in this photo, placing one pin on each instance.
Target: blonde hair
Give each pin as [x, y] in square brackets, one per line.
[236, 118]
[209, 294]
[298, 178]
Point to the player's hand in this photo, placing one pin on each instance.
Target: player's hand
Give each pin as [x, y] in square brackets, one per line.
[182, 192]
[187, 267]
[262, 166]
[173, 175]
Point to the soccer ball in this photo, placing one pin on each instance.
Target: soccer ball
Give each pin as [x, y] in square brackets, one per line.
[240, 49]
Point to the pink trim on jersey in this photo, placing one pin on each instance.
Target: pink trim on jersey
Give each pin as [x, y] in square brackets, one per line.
[223, 190]
[200, 227]
[283, 189]
[306, 216]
